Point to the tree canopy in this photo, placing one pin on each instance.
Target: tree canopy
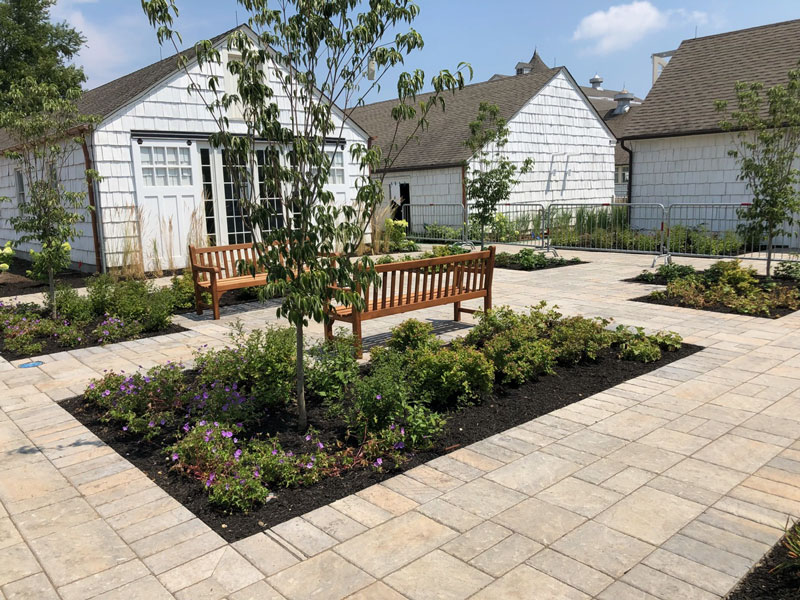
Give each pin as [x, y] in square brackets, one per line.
[31, 45]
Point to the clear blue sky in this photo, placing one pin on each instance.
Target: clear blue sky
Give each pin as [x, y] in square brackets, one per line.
[614, 39]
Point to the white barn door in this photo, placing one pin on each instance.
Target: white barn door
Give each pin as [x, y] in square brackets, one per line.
[169, 191]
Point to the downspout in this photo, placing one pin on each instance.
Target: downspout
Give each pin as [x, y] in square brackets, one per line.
[630, 169]
[465, 218]
[87, 159]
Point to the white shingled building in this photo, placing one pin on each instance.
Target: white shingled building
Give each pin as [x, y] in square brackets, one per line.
[161, 179]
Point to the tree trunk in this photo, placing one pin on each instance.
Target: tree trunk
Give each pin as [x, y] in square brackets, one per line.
[482, 235]
[302, 417]
[769, 251]
[51, 282]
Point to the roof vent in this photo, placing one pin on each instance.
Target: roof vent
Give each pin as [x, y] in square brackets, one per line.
[623, 100]
[597, 82]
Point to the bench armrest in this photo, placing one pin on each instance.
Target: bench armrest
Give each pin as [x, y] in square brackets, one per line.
[205, 269]
[336, 287]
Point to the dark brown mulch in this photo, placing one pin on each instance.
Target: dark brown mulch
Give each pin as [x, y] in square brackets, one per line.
[506, 408]
[51, 346]
[516, 267]
[777, 313]
[15, 282]
[760, 584]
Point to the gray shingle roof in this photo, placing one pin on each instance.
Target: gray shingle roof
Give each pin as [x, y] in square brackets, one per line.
[442, 143]
[705, 69]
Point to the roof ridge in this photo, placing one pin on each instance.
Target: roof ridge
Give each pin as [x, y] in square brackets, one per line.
[737, 31]
[505, 78]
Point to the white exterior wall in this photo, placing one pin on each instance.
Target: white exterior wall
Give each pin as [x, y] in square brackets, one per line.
[167, 108]
[73, 177]
[572, 150]
[686, 169]
[436, 196]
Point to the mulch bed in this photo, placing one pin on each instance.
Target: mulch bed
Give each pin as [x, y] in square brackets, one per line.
[513, 267]
[51, 347]
[15, 282]
[506, 408]
[760, 584]
[720, 308]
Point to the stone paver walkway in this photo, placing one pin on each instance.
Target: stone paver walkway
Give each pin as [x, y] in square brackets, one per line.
[671, 485]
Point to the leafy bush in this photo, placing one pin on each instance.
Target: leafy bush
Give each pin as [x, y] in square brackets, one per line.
[333, 369]
[71, 305]
[530, 260]
[56, 257]
[396, 234]
[411, 335]
[635, 344]
[380, 397]
[434, 231]
[100, 289]
[139, 301]
[6, 256]
[518, 358]
[144, 403]
[113, 329]
[263, 362]
[577, 338]
[183, 291]
[491, 323]
[787, 270]
[641, 350]
[68, 335]
[673, 271]
[454, 376]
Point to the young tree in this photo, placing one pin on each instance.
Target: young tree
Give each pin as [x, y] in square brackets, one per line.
[300, 70]
[494, 175]
[766, 127]
[32, 46]
[42, 124]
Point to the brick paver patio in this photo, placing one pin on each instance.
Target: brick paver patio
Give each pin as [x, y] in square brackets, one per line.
[671, 485]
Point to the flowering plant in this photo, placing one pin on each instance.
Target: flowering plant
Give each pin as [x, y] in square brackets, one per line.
[6, 257]
[114, 329]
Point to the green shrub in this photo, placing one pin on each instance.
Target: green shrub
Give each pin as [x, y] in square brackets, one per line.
[333, 369]
[454, 376]
[396, 234]
[144, 403]
[733, 274]
[264, 363]
[6, 256]
[68, 335]
[530, 260]
[575, 339]
[72, 306]
[667, 340]
[412, 335]
[491, 323]
[787, 270]
[518, 358]
[646, 276]
[434, 231]
[641, 350]
[381, 396]
[183, 291]
[114, 329]
[100, 289]
[140, 301]
[673, 271]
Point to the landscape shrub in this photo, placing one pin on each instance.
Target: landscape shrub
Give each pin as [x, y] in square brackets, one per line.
[640, 349]
[114, 329]
[518, 358]
[577, 338]
[491, 323]
[6, 256]
[635, 344]
[144, 402]
[99, 289]
[411, 335]
[71, 305]
[395, 231]
[787, 270]
[434, 232]
[332, 369]
[183, 291]
[380, 397]
[140, 301]
[262, 361]
[68, 335]
[450, 377]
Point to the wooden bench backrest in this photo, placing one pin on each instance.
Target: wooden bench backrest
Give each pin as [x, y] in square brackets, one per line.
[429, 279]
[224, 257]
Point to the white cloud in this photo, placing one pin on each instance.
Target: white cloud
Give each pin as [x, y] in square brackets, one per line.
[111, 43]
[621, 26]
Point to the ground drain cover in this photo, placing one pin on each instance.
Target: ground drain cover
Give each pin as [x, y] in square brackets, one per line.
[30, 365]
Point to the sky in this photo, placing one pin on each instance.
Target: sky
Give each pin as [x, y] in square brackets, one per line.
[614, 39]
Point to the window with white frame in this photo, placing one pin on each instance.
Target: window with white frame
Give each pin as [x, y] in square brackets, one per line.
[167, 166]
[234, 111]
[621, 174]
[336, 160]
[20, 179]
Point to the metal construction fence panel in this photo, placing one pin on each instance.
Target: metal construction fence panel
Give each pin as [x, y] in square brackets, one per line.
[435, 222]
[714, 230]
[610, 227]
[516, 223]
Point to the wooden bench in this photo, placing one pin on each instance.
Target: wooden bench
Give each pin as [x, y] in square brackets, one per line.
[417, 284]
[215, 270]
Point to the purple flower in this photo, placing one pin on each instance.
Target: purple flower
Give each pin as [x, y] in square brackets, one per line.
[320, 445]
[399, 446]
[174, 456]
[308, 438]
[256, 474]
[309, 465]
[274, 452]
[186, 427]
[378, 397]
[378, 462]
[227, 434]
[151, 424]
[124, 428]
[106, 393]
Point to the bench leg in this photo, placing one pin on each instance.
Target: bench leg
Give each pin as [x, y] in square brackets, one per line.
[198, 300]
[357, 336]
[456, 311]
[215, 300]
